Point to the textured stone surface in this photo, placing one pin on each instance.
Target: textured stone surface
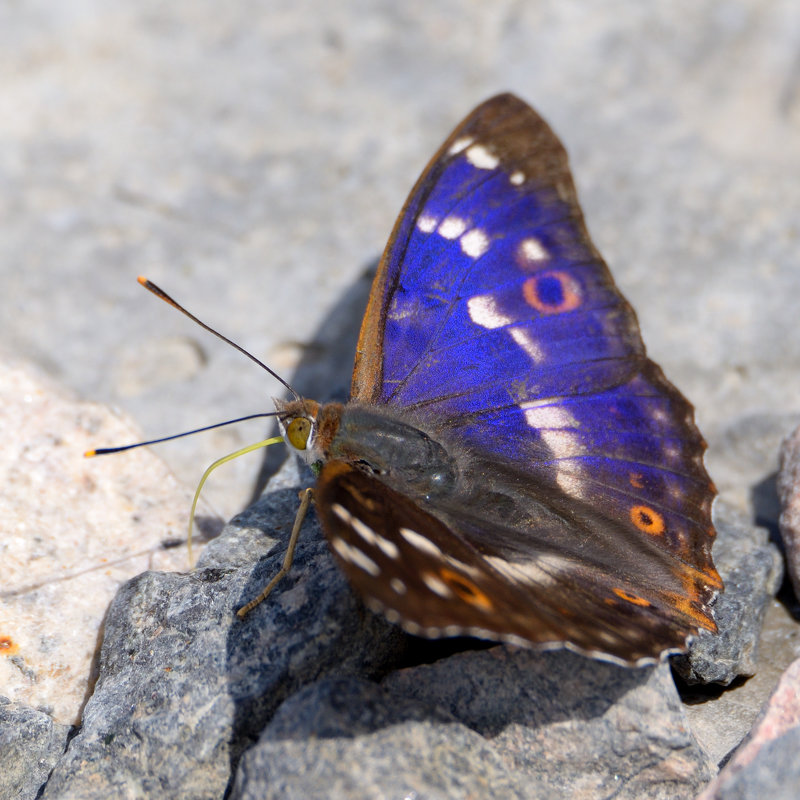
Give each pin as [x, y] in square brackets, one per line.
[496, 723]
[73, 531]
[721, 718]
[766, 765]
[744, 460]
[347, 738]
[185, 686]
[752, 569]
[31, 742]
[789, 493]
[575, 727]
[774, 774]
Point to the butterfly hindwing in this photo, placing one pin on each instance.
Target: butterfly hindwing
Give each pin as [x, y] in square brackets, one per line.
[421, 571]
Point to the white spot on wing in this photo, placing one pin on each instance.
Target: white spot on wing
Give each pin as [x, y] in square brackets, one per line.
[562, 443]
[398, 587]
[517, 178]
[421, 542]
[483, 311]
[531, 249]
[452, 227]
[547, 416]
[670, 452]
[392, 615]
[402, 309]
[659, 415]
[341, 512]
[527, 573]
[436, 585]
[388, 547]
[524, 340]
[608, 637]
[426, 223]
[460, 566]
[460, 144]
[540, 571]
[365, 532]
[557, 427]
[354, 556]
[480, 157]
[474, 243]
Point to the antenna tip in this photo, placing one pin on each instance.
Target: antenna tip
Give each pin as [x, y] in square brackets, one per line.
[90, 453]
[143, 280]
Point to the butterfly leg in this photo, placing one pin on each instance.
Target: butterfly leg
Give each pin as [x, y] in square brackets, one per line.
[305, 501]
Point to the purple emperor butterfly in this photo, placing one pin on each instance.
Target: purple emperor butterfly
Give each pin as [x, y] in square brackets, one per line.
[511, 465]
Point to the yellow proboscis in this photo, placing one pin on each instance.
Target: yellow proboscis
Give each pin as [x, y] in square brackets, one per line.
[218, 463]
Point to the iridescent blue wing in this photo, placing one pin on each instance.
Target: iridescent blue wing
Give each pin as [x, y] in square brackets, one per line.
[494, 322]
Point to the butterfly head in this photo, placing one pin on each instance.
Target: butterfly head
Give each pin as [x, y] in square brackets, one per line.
[309, 428]
[298, 423]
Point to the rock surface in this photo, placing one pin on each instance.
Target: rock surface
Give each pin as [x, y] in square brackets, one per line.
[752, 569]
[185, 686]
[74, 530]
[501, 723]
[185, 689]
[766, 764]
[789, 493]
[31, 743]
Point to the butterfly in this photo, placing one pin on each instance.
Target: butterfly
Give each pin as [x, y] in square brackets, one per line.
[510, 464]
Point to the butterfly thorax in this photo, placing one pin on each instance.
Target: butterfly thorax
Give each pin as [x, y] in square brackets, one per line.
[373, 440]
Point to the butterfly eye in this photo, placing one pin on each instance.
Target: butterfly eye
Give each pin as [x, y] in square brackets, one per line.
[298, 432]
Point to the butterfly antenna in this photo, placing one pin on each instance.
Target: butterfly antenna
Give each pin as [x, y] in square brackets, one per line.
[104, 451]
[158, 292]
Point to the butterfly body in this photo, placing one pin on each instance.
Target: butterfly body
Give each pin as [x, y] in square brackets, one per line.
[511, 464]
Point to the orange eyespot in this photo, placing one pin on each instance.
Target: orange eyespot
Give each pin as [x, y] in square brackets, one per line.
[552, 292]
[647, 520]
[298, 432]
[466, 589]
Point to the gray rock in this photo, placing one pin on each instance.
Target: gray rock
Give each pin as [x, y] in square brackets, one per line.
[185, 685]
[789, 493]
[752, 569]
[773, 774]
[350, 739]
[31, 742]
[496, 723]
[721, 717]
[185, 688]
[577, 727]
[743, 459]
[766, 764]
